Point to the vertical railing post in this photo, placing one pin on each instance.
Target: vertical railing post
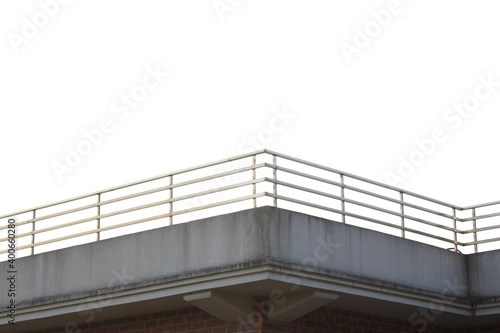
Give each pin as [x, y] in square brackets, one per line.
[455, 229]
[275, 186]
[402, 209]
[342, 194]
[254, 176]
[98, 216]
[475, 228]
[33, 233]
[171, 204]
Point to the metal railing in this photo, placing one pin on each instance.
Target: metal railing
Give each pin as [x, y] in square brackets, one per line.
[255, 179]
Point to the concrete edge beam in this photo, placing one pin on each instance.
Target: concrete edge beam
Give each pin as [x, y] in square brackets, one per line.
[485, 309]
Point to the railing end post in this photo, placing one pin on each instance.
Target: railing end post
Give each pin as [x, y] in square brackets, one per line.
[275, 185]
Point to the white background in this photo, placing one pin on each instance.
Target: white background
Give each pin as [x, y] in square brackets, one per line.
[226, 76]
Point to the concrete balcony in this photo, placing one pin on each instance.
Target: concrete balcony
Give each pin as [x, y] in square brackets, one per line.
[219, 264]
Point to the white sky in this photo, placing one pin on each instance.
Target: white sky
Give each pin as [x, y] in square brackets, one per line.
[227, 76]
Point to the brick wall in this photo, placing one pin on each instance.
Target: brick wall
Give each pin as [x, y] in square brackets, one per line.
[322, 320]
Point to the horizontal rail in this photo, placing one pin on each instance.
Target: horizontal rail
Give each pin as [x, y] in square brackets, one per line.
[121, 225]
[131, 196]
[484, 241]
[353, 188]
[479, 217]
[369, 219]
[355, 202]
[470, 231]
[366, 180]
[482, 205]
[231, 159]
[128, 210]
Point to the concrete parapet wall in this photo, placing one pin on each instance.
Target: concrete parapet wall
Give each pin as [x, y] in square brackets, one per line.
[364, 254]
[240, 238]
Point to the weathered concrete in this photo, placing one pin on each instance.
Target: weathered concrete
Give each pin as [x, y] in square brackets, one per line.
[185, 248]
[484, 275]
[251, 253]
[362, 254]
[234, 239]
